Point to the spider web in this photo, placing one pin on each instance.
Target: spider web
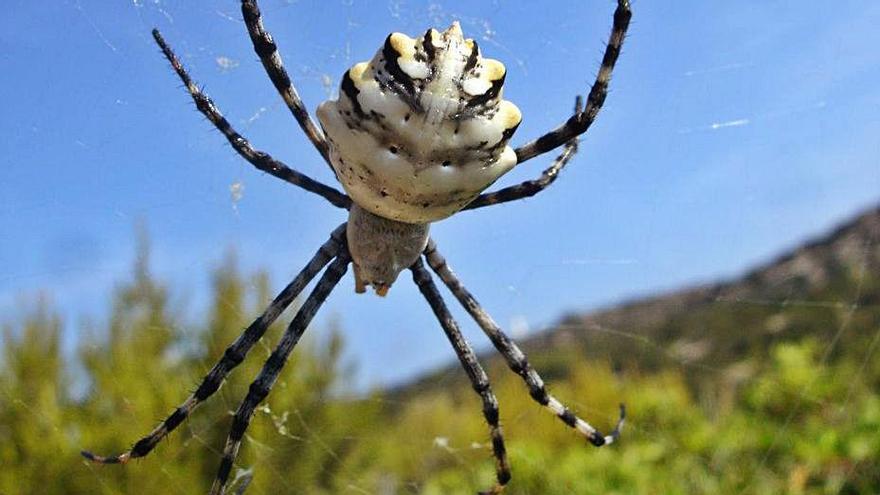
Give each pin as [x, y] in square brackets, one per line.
[752, 136]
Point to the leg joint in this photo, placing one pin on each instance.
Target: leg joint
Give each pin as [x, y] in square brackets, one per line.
[208, 387]
[143, 446]
[568, 417]
[540, 395]
[490, 412]
[233, 355]
[518, 365]
[481, 385]
[259, 389]
[176, 418]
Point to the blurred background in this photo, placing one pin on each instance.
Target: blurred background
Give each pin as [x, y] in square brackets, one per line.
[710, 257]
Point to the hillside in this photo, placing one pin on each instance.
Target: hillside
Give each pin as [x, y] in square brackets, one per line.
[828, 288]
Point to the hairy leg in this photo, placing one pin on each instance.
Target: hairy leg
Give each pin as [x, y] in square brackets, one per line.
[262, 385]
[580, 122]
[515, 358]
[234, 354]
[267, 50]
[259, 159]
[476, 374]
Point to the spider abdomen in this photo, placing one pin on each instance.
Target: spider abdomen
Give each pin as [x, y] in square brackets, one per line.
[420, 130]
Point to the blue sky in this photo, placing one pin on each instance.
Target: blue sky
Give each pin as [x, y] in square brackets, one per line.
[734, 130]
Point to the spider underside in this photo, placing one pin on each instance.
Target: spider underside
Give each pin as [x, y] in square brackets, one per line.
[390, 212]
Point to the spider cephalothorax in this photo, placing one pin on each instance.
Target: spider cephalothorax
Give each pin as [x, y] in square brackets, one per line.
[415, 136]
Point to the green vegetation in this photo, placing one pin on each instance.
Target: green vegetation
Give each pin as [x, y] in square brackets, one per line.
[785, 401]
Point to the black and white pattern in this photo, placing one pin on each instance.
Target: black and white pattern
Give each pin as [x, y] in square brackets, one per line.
[421, 129]
[383, 110]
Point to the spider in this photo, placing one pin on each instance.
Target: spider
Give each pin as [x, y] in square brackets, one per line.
[416, 135]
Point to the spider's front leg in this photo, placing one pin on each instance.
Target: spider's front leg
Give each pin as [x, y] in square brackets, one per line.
[515, 358]
[569, 132]
[579, 123]
[267, 50]
[476, 374]
[259, 159]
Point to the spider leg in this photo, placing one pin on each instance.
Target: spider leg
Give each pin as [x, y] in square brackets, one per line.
[530, 188]
[267, 50]
[471, 365]
[515, 358]
[234, 354]
[262, 385]
[581, 121]
[258, 159]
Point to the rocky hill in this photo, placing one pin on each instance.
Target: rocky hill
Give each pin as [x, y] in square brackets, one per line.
[827, 289]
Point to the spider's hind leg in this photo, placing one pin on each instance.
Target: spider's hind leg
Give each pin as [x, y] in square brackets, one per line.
[515, 358]
[234, 354]
[262, 385]
[476, 374]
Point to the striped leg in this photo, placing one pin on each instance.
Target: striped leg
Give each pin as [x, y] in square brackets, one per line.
[234, 354]
[475, 372]
[531, 187]
[261, 387]
[580, 122]
[515, 358]
[259, 159]
[267, 50]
